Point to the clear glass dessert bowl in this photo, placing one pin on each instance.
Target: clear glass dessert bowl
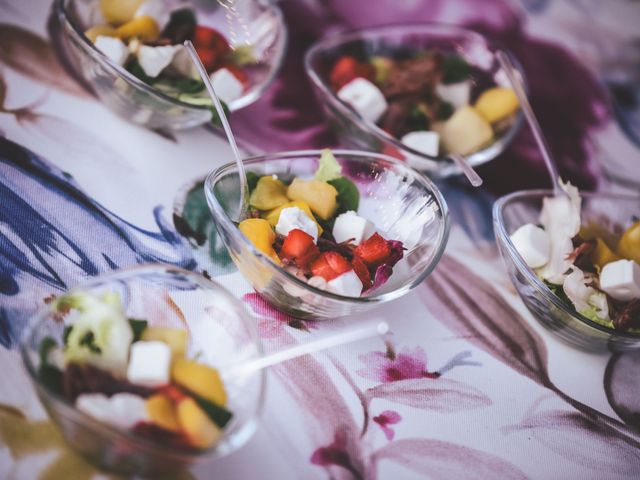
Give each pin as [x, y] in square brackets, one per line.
[253, 23]
[399, 200]
[220, 334]
[612, 211]
[405, 41]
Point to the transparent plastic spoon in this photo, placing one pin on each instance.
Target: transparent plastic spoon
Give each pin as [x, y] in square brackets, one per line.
[245, 368]
[516, 81]
[244, 186]
[473, 177]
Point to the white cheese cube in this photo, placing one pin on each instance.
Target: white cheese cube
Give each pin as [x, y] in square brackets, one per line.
[159, 10]
[149, 363]
[113, 48]
[127, 409]
[226, 85]
[350, 225]
[318, 282]
[122, 409]
[457, 94]
[621, 280]
[294, 217]
[348, 285]
[95, 405]
[364, 97]
[422, 141]
[155, 59]
[532, 243]
[183, 65]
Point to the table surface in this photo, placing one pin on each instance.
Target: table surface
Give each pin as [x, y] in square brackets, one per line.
[469, 385]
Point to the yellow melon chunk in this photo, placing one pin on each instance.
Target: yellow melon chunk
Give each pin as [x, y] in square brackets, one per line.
[119, 11]
[466, 132]
[603, 254]
[260, 233]
[144, 28]
[100, 31]
[629, 246]
[268, 194]
[273, 216]
[176, 338]
[162, 412]
[195, 423]
[200, 379]
[320, 196]
[497, 104]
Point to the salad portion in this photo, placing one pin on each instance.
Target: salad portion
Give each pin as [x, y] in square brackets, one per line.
[312, 228]
[591, 268]
[428, 100]
[133, 376]
[146, 37]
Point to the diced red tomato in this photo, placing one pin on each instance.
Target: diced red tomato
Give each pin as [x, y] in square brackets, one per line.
[174, 393]
[299, 247]
[373, 251]
[211, 46]
[329, 265]
[362, 271]
[346, 69]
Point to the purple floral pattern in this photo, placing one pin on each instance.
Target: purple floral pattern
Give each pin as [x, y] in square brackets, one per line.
[385, 419]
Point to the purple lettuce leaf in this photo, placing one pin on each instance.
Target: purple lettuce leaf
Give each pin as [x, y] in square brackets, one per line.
[384, 271]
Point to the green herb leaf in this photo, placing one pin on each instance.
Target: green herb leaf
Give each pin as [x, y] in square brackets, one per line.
[66, 332]
[417, 118]
[217, 413]
[252, 180]
[445, 110]
[180, 85]
[89, 341]
[46, 345]
[328, 168]
[137, 327]
[456, 69]
[348, 194]
[134, 68]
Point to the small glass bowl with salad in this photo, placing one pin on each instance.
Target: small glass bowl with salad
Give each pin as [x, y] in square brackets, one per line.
[575, 261]
[131, 53]
[330, 233]
[133, 367]
[417, 92]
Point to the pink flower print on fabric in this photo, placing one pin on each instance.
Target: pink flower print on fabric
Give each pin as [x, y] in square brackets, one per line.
[386, 367]
[386, 418]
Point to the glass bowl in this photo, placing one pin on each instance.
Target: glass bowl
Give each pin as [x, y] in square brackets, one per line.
[613, 211]
[261, 26]
[400, 41]
[221, 334]
[405, 204]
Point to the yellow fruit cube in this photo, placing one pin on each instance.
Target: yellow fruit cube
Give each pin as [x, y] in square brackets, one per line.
[497, 104]
[603, 254]
[144, 28]
[320, 196]
[273, 216]
[466, 132]
[195, 423]
[629, 245]
[100, 31]
[176, 338]
[162, 412]
[260, 233]
[200, 379]
[268, 194]
[119, 11]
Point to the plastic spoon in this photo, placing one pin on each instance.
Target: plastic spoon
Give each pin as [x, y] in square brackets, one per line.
[516, 81]
[473, 177]
[244, 186]
[328, 342]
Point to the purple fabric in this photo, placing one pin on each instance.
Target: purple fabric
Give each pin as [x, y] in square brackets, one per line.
[568, 99]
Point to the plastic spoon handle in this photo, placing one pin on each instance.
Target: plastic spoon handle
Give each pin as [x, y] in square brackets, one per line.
[244, 187]
[516, 81]
[473, 177]
[306, 348]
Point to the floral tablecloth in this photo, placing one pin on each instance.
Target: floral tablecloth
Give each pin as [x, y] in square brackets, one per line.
[468, 385]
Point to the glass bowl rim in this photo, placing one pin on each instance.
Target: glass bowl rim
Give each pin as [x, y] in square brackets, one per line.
[333, 40]
[88, 46]
[220, 216]
[40, 316]
[502, 236]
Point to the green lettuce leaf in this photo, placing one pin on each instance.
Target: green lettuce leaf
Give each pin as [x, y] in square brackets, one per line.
[329, 168]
